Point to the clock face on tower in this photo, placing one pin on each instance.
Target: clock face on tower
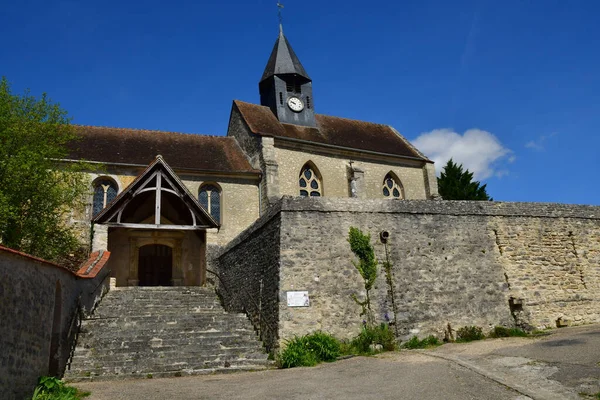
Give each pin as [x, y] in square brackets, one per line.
[295, 104]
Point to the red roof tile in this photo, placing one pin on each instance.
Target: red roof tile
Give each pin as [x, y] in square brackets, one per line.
[140, 147]
[342, 132]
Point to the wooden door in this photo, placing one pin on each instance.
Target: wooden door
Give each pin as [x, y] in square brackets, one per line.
[155, 266]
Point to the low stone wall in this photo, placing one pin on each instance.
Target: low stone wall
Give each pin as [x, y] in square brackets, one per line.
[39, 310]
[248, 270]
[457, 263]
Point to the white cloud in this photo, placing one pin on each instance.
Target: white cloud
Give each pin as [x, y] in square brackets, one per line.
[539, 144]
[478, 151]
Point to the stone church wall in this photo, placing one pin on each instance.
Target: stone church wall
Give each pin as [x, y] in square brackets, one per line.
[248, 270]
[335, 172]
[460, 263]
[38, 309]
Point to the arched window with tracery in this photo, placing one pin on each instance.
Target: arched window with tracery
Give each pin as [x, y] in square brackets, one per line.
[310, 182]
[209, 197]
[392, 188]
[105, 190]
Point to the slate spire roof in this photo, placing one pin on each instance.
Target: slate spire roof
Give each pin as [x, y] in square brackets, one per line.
[283, 60]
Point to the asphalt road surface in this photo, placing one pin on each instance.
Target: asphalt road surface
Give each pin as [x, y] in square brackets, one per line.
[563, 365]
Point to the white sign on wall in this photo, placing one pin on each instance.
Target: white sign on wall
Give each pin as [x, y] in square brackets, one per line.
[298, 299]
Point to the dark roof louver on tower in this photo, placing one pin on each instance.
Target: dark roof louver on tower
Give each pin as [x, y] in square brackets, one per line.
[283, 60]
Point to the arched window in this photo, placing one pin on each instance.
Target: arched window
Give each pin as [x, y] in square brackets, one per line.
[105, 190]
[209, 196]
[309, 182]
[392, 188]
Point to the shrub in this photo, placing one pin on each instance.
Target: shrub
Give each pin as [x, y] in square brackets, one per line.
[415, 343]
[309, 350]
[374, 335]
[325, 346]
[50, 388]
[469, 333]
[500, 331]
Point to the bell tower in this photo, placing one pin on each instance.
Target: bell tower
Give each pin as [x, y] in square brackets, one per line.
[285, 87]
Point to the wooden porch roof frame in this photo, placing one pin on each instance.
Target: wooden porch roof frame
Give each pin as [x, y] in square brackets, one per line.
[159, 169]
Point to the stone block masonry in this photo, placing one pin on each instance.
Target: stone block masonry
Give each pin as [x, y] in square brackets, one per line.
[40, 304]
[248, 270]
[454, 262]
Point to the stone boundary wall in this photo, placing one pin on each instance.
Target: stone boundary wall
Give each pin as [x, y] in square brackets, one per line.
[248, 282]
[454, 262]
[39, 309]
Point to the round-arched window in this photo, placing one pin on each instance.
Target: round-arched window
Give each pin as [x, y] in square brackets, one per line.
[209, 197]
[105, 190]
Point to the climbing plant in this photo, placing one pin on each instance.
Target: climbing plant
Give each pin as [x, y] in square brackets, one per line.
[360, 244]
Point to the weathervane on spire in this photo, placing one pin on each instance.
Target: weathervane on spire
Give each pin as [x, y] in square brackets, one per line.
[279, 7]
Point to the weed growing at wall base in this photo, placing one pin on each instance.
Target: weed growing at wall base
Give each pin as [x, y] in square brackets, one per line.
[51, 388]
[371, 337]
[415, 343]
[500, 331]
[309, 350]
[469, 333]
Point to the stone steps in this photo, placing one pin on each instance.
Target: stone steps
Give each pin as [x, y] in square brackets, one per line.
[160, 332]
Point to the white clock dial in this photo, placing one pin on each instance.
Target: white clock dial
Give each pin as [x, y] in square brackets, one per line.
[295, 104]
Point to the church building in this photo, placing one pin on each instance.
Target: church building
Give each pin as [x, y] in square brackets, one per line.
[166, 202]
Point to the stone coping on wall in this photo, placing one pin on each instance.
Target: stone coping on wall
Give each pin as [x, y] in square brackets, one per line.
[90, 269]
[95, 262]
[438, 207]
[443, 207]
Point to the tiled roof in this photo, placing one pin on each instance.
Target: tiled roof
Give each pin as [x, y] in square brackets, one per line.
[341, 132]
[140, 147]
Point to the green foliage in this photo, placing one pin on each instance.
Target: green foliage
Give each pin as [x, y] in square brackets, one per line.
[500, 331]
[415, 343]
[456, 184]
[51, 388]
[37, 192]
[373, 335]
[469, 333]
[325, 346]
[309, 350]
[360, 244]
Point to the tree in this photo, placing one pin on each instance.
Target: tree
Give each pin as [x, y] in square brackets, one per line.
[456, 184]
[38, 193]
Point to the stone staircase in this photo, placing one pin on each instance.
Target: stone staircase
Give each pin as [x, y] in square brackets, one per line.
[150, 332]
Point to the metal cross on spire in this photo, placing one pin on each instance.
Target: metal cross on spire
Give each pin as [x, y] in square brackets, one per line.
[279, 7]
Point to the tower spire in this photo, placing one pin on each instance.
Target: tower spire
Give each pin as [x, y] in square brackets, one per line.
[285, 87]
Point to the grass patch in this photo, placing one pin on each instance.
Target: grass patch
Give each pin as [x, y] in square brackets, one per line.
[469, 334]
[415, 343]
[50, 388]
[500, 331]
[309, 350]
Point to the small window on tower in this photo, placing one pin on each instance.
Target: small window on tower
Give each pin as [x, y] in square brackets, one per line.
[308, 102]
[280, 98]
[293, 86]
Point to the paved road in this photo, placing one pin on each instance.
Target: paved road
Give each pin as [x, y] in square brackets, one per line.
[558, 366]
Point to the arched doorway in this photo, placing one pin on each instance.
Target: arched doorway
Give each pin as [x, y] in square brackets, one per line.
[155, 266]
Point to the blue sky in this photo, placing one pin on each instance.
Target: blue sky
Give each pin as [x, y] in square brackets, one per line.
[510, 89]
